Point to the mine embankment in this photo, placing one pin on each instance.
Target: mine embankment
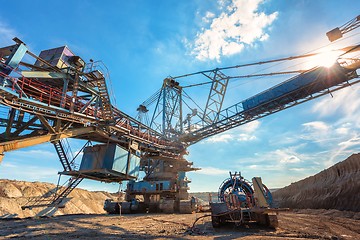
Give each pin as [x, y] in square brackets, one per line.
[325, 206]
[337, 187]
[15, 194]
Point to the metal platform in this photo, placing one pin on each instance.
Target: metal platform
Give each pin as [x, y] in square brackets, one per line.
[103, 175]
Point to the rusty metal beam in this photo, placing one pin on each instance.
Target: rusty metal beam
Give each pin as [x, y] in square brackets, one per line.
[10, 122]
[27, 142]
[46, 123]
[41, 74]
[24, 126]
[6, 51]
[20, 119]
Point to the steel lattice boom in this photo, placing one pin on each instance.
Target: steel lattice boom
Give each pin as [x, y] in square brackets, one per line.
[213, 119]
[47, 103]
[56, 96]
[304, 87]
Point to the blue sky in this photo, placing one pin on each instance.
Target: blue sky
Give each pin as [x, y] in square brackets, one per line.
[142, 42]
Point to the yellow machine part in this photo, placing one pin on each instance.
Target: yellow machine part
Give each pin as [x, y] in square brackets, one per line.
[260, 200]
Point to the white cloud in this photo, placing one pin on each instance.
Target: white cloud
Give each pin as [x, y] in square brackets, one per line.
[212, 171]
[27, 172]
[220, 138]
[36, 153]
[246, 132]
[6, 34]
[351, 142]
[241, 134]
[344, 103]
[232, 48]
[99, 186]
[342, 149]
[208, 17]
[38, 173]
[342, 135]
[279, 159]
[340, 138]
[31, 165]
[250, 127]
[342, 130]
[243, 137]
[297, 169]
[239, 24]
[317, 125]
[8, 165]
[280, 156]
[318, 131]
[287, 155]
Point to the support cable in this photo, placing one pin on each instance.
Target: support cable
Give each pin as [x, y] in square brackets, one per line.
[305, 55]
[192, 101]
[251, 75]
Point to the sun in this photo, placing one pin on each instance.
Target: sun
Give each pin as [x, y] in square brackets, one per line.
[327, 59]
[324, 59]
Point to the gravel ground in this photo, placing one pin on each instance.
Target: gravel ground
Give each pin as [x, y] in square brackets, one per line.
[292, 225]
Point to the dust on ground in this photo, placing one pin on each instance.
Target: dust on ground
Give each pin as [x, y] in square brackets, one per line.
[292, 225]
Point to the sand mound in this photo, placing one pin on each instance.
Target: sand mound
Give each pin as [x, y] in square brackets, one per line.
[337, 187]
[14, 194]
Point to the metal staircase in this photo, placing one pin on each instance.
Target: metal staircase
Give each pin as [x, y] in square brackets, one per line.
[73, 182]
[54, 197]
[63, 155]
[99, 81]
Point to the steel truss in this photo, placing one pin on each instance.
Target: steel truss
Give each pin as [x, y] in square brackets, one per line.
[169, 109]
[57, 101]
[43, 102]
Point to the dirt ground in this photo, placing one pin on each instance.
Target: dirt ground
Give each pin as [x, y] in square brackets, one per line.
[292, 225]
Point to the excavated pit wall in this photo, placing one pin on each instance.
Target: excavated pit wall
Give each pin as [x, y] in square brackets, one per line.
[337, 187]
[14, 194]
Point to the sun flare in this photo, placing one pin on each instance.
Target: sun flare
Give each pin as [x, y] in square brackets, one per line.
[324, 59]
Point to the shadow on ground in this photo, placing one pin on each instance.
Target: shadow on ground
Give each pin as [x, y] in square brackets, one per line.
[141, 226]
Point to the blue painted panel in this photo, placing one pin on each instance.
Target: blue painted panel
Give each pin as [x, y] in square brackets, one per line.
[149, 186]
[93, 158]
[108, 151]
[57, 57]
[181, 175]
[314, 81]
[134, 165]
[120, 160]
[14, 59]
[110, 157]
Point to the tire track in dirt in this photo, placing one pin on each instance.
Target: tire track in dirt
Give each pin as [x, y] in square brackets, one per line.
[292, 226]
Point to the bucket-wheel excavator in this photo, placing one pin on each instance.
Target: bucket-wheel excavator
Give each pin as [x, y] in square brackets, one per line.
[57, 95]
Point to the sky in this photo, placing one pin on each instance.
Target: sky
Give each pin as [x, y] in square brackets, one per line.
[143, 42]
